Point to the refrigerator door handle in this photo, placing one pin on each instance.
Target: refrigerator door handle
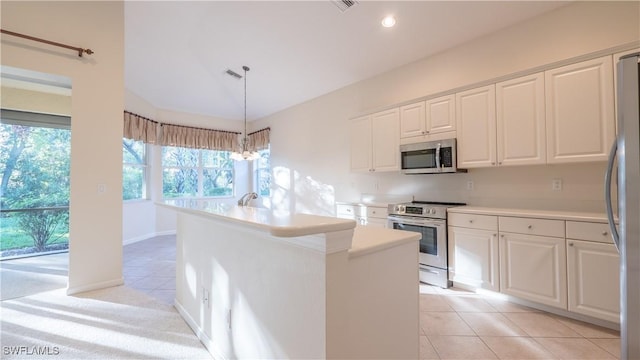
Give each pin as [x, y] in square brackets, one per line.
[607, 194]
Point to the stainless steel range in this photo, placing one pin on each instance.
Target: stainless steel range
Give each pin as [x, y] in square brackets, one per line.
[429, 219]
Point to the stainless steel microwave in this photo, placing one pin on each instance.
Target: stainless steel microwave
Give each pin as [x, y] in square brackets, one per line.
[432, 157]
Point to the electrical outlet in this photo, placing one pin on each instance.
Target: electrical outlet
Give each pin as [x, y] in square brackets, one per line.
[229, 319]
[102, 188]
[470, 185]
[556, 184]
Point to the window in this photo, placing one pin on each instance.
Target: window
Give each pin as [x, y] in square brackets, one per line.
[134, 168]
[35, 152]
[263, 173]
[196, 173]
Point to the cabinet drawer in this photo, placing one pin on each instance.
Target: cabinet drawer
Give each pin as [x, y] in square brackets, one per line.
[376, 212]
[530, 226]
[346, 210]
[485, 222]
[589, 231]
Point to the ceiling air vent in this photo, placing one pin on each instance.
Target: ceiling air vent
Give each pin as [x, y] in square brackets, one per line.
[344, 5]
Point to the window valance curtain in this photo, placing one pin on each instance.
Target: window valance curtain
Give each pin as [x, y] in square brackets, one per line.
[197, 138]
[259, 140]
[137, 127]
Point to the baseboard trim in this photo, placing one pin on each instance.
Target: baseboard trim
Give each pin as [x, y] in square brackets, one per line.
[95, 286]
[147, 236]
[204, 339]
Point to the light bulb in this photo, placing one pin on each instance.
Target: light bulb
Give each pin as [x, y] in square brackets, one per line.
[389, 21]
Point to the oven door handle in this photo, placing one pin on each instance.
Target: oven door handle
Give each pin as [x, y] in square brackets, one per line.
[417, 222]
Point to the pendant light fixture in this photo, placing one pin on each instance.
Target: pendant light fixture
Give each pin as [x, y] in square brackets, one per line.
[243, 152]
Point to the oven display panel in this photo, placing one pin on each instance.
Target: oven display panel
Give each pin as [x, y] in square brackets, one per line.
[417, 210]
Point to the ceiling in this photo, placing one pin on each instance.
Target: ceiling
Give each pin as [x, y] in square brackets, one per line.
[177, 53]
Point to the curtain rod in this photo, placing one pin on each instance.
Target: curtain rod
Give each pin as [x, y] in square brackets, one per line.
[190, 127]
[78, 49]
[199, 128]
[142, 117]
[257, 131]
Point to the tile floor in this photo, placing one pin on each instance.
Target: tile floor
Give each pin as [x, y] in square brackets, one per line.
[454, 324]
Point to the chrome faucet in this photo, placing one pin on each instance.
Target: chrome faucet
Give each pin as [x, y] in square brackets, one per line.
[244, 200]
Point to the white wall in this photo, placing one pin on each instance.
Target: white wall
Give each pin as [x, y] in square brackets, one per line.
[310, 146]
[95, 245]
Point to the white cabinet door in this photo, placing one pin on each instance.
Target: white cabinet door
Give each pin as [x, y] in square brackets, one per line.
[385, 129]
[473, 258]
[579, 111]
[534, 268]
[440, 114]
[412, 120]
[360, 138]
[476, 127]
[593, 271]
[520, 121]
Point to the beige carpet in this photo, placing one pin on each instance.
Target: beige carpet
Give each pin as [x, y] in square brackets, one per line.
[31, 275]
[113, 323]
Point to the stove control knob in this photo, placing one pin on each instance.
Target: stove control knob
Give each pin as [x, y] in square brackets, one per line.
[431, 211]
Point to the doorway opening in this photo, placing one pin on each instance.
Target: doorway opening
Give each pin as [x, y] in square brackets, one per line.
[35, 156]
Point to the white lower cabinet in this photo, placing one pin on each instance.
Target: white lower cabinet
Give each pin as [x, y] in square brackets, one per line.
[473, 258]
[376, 216]
[534, 268]
[567, 264]
[593, 272]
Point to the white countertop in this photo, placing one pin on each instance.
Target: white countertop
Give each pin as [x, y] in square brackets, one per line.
[277, 223]
[367, 239]
[539, 214]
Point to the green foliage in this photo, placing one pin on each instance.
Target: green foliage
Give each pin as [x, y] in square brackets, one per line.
[184, 169]
[34, 163]
[42, 226]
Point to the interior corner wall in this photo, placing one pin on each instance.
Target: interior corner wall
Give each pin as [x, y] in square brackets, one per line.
[310, 143]
[139, 216]
[95, 240]
[143, 219]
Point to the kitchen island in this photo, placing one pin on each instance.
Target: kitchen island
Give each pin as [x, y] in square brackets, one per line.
[256, 283]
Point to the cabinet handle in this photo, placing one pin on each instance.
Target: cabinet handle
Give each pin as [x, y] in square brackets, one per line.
[494, 235]
[605, 233]
[570, 244]
[530, 226]
[427, 131]
[470, 221]
[499, 162]
[501, 235]
[493, 163]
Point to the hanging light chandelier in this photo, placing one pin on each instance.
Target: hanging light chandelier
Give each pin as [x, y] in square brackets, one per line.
[243, 152]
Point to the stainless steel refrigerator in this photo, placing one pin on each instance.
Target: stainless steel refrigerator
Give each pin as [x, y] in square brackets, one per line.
[627, 239]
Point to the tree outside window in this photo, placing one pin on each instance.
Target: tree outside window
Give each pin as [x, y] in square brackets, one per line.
[196, 173]
[34, 191]
[134, 168]
[263, 173]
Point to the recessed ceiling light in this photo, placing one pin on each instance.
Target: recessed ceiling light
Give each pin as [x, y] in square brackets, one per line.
[389, 21]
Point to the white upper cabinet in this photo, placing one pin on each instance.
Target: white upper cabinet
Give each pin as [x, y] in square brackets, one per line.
[476, 127]
[433, 119]
[579, 111]
[385, 136]
[360, 136]
[520, 115]
[412, 120]
[441, 114]
[375, 142]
